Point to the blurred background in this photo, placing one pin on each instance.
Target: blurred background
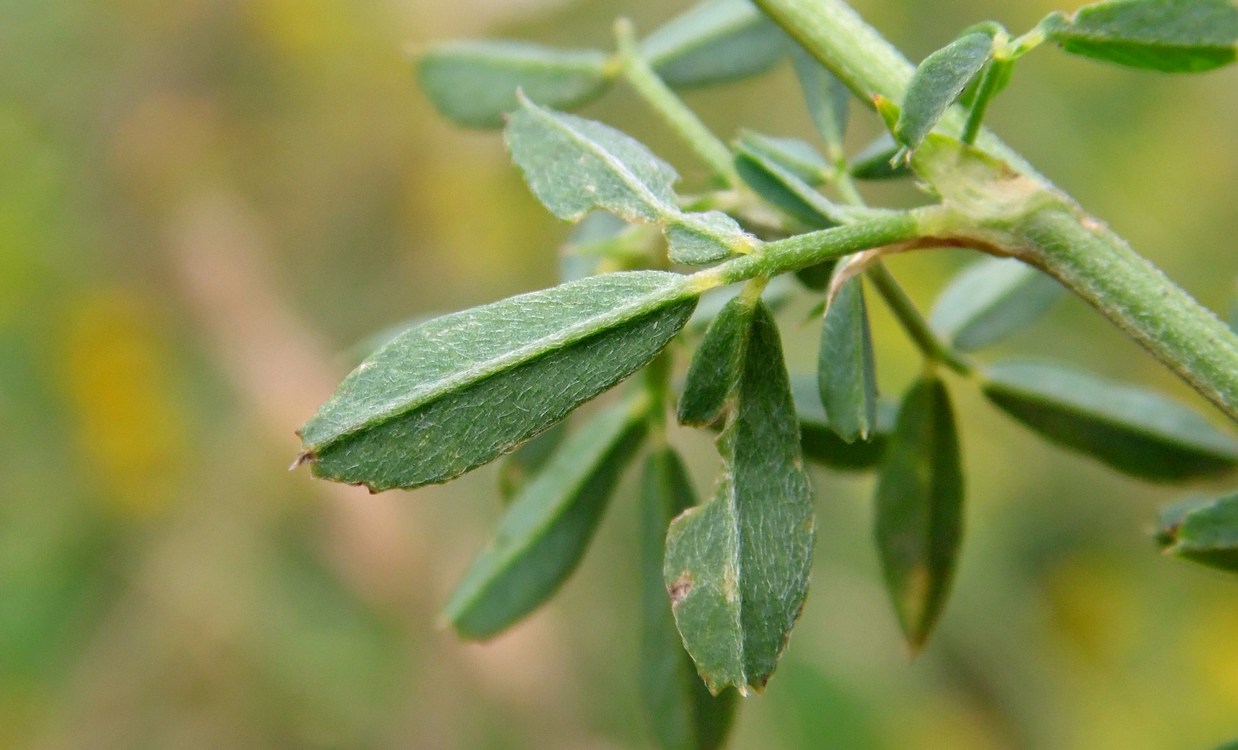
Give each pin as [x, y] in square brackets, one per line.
[205, 205]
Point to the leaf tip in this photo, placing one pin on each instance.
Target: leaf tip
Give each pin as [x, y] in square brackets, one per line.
[302, 458]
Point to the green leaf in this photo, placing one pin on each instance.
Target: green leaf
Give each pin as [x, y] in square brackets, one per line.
[827, 99]
[795, 156]
[990, 300]
[846, 372]
[460, 390]
[1204, 531]
[937, 83]
[737, 567]
[714, 42]
[919, 524]
[575, 166]
[766, 170]
[523, 464]
[474, 83]
[546, 529]
[1132, 430]
[681, 713]
[717, 364]
[1172, 36]
[820, 441]
[876, 161]
[700, 238]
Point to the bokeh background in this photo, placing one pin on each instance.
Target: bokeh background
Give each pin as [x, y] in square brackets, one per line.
[204, 205]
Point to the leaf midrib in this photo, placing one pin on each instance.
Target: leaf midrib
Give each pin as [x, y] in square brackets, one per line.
[443, 387]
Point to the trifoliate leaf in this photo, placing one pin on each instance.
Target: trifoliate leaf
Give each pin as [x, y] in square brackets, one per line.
[474, 83]
[737, 567]
[461, 390]
[1129, 429]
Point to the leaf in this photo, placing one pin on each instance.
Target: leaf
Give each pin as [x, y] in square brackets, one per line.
[714, 42]
[795, 156]
[737, 567]
[938, 81]
[461, 390]
[1132, 430]
[546, 529]
[717, 365]
[876, 161]
[819, 440]
[523, 464]
[827, 99]
[679, 709]
[1172, 36]
[474, 83]
[846, 372]
[575, 166]
[1204, 531]
[700, 238]
[990, 300]
[762, 168]
[919, 524]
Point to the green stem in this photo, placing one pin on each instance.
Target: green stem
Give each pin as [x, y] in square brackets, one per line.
[646, 82]
[913, 322]
[802, 250]
[1101, 268]
[988, 87]
[1067, 243]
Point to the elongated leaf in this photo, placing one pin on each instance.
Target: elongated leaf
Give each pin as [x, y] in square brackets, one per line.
[1172, 36]
[762, 168]
[714, 42]
[876, 161]
[717, 364]
[700, 238]
[546, 529]
[846, 372]
[1131, 430]
[737, 567]
[681, 713]
[1204, 531]
[990, 300]
[920, 509]
[459, 391]
[575, 166]
[821, 443]
[938, 81]
[474, 83]
[827, 99]
[523, 464]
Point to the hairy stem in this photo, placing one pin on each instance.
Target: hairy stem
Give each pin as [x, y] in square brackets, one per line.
[668, 105]
[1075, 248]
[1101, 268]
[913, 322]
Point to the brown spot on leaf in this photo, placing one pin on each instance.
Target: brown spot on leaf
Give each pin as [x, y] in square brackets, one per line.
[680, 589]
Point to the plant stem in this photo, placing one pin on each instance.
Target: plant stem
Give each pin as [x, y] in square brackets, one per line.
[668, 105]
[988, 87]
[913, 322]
[1101, 268]
[802, 250]
[1064, 241]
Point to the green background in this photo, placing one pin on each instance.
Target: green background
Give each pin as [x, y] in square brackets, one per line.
[204, 205]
